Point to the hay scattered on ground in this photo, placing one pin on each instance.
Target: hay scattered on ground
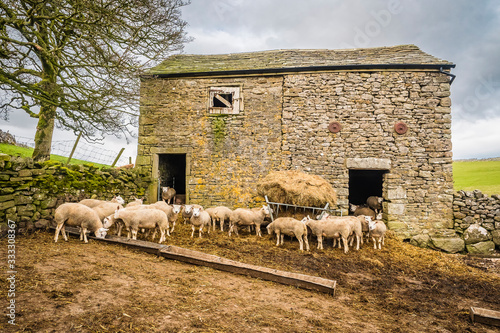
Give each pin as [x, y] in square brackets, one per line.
[297, 188]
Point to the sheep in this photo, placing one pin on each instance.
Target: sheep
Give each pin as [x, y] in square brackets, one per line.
[76, 214]
[105, 209]
[330, 228]
[136, 202]
[362, 210]
[289, 226]
[186, 213]
[167, 194]
[210, 212]
[355, 222]
[171, 211]
[199, 219]
[95, 202]
[221, 214]
[374, 203]
[377, 232]
[150, 218]
[247, 217]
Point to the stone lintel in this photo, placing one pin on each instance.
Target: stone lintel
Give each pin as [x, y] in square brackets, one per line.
[369, 163]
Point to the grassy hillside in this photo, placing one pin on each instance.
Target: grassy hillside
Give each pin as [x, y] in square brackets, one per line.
[483, 175]
[27, 152]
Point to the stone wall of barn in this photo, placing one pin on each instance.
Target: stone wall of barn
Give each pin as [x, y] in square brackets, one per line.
[417, 185]
[226, 154]
[284, 125]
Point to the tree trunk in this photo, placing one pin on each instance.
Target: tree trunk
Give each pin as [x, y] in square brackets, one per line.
[44, 131]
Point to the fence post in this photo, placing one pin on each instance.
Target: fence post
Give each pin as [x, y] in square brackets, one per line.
[117, 157]
[74, 148]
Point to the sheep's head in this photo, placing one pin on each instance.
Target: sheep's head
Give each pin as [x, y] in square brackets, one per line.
[117, 212]
[108, 221]
[379, 216]
[119, 200]
[353, 208]
[267, 210]
[101, 232]
[165, 189]
[270, 228]
[176, 209]
[371, 223]
[188, 208]
[305, 219]
[196, 211]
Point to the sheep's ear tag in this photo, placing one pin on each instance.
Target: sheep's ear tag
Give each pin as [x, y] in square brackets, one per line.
[334, 127]
[400, 127]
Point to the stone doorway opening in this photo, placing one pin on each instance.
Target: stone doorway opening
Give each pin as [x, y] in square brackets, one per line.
[172, 173]
[365, 183]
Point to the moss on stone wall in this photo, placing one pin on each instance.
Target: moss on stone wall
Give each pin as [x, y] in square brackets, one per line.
[30, 192]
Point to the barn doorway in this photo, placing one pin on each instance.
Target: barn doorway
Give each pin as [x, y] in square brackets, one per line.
[172, 173]
[365, 183]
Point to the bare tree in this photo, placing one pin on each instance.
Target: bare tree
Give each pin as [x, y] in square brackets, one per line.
[76, 63]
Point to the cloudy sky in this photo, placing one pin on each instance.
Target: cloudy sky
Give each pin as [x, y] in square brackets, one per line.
[464, 32]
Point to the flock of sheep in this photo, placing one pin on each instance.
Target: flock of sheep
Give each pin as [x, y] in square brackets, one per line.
[92, 215]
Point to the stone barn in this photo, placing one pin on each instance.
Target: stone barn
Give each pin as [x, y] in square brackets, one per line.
[371, 121]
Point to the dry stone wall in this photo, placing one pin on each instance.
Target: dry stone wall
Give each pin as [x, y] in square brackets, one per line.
[30, 192]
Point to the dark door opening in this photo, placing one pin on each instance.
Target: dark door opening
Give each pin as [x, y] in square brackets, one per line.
[363, 184]
[172, 173]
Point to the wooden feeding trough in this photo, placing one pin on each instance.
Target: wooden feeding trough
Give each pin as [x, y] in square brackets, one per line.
[223, 264]
[485, 316]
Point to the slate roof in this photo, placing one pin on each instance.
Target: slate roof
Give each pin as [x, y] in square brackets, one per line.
[282, 60]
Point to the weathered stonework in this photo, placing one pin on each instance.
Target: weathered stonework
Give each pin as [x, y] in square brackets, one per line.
[31, 201]
[284, 125]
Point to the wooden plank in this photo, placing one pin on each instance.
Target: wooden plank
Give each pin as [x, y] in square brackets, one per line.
[485, 316]
[289, 278]
[203, 259]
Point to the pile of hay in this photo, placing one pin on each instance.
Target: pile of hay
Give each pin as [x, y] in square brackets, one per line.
[297, 188]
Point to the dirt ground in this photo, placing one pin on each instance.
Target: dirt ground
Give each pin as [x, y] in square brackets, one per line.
[98, 287]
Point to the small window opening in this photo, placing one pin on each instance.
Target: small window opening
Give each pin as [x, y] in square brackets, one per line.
[223, 100]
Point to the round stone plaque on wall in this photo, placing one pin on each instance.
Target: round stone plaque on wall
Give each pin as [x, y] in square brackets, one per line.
[400, 127]
[334, 127]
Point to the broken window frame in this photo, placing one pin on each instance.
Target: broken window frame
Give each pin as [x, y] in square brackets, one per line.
[235, 104]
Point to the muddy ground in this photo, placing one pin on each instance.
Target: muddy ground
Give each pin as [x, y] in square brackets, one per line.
[98, 287]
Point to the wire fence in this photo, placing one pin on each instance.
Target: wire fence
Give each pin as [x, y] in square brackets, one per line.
[84, 151]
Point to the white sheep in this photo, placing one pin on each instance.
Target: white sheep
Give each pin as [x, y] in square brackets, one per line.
[171, 211]
[187, 211]
[95, 202]
[78, 215]
[248, 217]
[106, 208]
[136, 202]
[377, 232]
[200, 218]
[210, 212]
[148, 218]
[167, 194]
[289, 226]
[330, 228]
[221, 215]
[355, 222]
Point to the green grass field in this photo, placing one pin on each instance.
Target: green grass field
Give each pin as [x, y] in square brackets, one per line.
[27, 152]
[483, 175]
